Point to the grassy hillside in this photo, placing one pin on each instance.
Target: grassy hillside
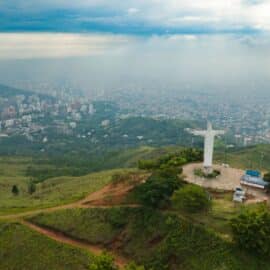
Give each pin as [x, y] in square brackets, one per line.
[62, 180]
[23, 249]
[54, 191]
[253, 157]
[152, 238]
[41, 167]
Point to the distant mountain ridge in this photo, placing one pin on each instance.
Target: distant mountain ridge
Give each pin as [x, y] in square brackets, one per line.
[9, 91]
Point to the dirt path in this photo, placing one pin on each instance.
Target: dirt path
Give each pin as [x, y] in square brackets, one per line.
[112, 194]
[62, 238]
[98, 199]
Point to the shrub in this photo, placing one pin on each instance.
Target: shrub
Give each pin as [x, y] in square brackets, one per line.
[106, 262]
[31, 187]
[158, 189]
[15, 190]
[266, 177]
[172, 160]
[199, 172]
[251, 230]
[147, 164]
[103, 262]
[191, 198]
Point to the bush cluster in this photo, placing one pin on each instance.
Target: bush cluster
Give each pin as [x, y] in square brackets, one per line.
[158, 188]
[106, 262]
[251, 230]
[199, 172]
[191, 198]
[173, 160]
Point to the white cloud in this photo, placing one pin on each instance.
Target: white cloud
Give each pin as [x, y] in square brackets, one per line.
[219, 14]
[183, 37]
[132, 11]
[58, 45]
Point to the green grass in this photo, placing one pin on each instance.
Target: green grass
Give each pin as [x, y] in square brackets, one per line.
[52, 192]
[63, 189]
[253, 157]
[24, 249]
[217, 219]
[219, 216]
[152, 238]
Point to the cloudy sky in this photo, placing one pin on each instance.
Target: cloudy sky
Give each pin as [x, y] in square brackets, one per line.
[136, 16]
[201, 40]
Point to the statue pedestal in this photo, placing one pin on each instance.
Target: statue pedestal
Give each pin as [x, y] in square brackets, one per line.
[208, 170]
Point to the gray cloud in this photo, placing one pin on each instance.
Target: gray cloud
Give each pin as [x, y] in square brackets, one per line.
[222, 15]
[236, 64]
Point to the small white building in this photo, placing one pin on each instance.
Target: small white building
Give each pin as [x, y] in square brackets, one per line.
[10, 122]
[105, 123]
[73, 125]
[27, 118]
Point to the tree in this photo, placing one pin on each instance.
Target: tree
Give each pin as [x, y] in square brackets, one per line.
[266, 177]
[191, 198]
[15, 190]
[158, 189]
[31, 187]
[103, 262]
[251, 230]
[147, 164]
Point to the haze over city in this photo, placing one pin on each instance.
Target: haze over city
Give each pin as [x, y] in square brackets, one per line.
[202, 45]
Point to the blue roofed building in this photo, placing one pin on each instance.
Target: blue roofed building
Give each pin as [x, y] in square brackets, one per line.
[253, 173]
[253, 180]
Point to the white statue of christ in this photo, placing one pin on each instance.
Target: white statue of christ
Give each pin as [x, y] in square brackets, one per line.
[209, 138]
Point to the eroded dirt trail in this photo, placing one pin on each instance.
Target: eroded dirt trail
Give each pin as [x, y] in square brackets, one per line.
[98, 199]
[62, 238]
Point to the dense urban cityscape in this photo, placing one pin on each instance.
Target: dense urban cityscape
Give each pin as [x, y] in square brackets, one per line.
[246, 119]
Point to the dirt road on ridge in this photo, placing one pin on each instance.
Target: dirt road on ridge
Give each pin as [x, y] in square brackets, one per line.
[96, 199]
[62, 238]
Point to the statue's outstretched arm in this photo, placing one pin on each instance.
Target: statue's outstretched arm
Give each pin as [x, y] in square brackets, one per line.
[219, 132]
[198, 132]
